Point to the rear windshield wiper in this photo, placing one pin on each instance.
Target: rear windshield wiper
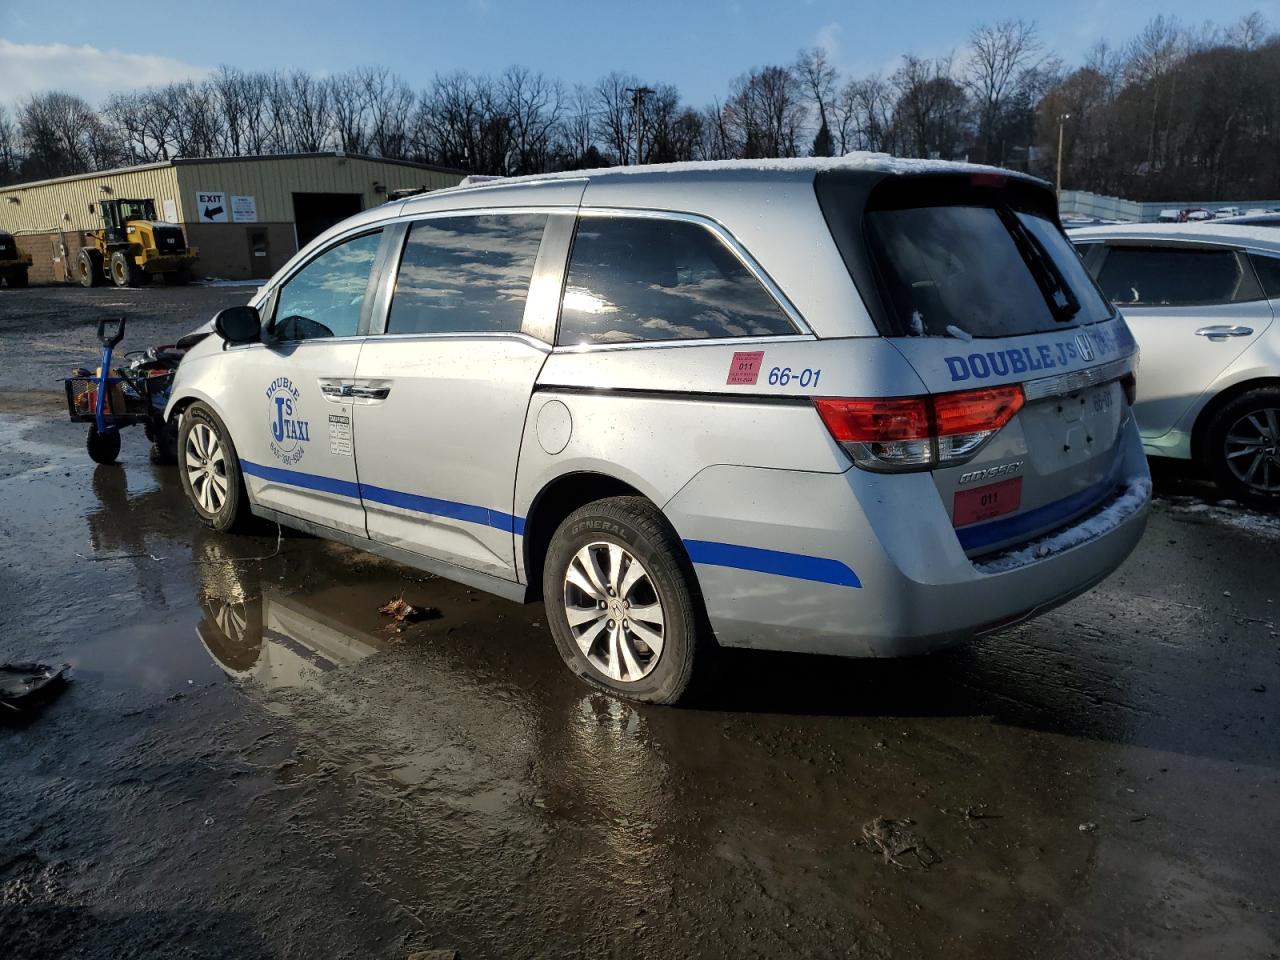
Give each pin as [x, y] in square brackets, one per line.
[1057, 294]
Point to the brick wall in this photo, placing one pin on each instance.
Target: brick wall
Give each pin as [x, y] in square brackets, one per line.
[225, 251]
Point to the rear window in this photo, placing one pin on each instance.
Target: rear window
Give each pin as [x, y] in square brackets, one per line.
[1172, 277]
[983, 270]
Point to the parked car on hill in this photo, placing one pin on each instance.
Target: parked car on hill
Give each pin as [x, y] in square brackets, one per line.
[1201, 301]
[863, 406]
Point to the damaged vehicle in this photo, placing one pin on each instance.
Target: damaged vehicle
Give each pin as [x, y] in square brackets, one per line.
[862, 406]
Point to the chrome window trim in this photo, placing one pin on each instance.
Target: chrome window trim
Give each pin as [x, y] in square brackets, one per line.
[683, 344]
[478, 335]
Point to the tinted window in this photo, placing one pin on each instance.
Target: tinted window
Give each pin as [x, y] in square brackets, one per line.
[651, 279]
[971, 268]
[1268, 270]
[325, 297]
[466, 274]
[1168, 276]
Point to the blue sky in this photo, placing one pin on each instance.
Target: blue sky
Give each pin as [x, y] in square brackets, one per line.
[696, 44]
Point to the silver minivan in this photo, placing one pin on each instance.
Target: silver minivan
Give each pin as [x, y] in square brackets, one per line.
[863, 406]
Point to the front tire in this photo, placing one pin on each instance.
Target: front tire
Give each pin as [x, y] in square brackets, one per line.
[210, 470]
[622, 600]
[1242, 448]
[123, 270]
[103, 448]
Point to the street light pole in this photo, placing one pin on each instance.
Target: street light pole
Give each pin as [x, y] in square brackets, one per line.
[1062, 120]
[638, 94]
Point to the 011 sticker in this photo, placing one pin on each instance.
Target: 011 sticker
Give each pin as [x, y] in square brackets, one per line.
[745, 367]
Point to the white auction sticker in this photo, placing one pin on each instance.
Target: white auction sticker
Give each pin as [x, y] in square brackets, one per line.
[340, 434]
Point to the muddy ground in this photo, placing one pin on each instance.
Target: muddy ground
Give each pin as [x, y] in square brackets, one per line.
[249, 764]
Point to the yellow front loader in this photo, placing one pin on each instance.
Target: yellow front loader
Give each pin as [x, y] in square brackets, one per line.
[133, 247]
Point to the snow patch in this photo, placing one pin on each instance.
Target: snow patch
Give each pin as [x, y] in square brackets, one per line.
[954, 331]
[917, 323]
[1135, 496]
[1228, 513]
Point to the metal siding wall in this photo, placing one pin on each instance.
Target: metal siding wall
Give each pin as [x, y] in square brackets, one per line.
[41, 208]
[273, 181]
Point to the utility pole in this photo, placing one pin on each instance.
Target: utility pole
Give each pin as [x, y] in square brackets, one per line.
[1062, 120]
[637, 105]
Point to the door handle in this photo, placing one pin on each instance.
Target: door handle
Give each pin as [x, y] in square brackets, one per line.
[369, 393]
[336, 391]
[1220, 332]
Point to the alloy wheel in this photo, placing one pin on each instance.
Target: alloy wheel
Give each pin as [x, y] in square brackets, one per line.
[614, 611]
[1253, 450]
[206, 466]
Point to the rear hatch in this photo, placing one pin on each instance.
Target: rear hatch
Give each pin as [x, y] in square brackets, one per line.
[1029, 367]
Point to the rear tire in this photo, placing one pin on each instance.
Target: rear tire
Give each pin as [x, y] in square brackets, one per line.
[123, 270]
[164, 446]
[18, 279]
[103, 448]
[1242, 448]
[210, 470]
[608, 561]
[90, 268]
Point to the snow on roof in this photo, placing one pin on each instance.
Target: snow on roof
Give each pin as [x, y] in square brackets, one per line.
[1204, 231]
[857, 162]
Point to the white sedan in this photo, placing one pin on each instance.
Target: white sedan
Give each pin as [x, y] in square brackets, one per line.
[1201, 300]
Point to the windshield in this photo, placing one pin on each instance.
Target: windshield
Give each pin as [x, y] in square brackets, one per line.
[137, 210]
[985, 271]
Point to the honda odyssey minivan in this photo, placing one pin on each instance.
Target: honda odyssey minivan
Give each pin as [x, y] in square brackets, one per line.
[862, 406]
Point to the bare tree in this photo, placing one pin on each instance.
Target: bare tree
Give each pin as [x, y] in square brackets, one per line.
[929, 116]
[615, 108]
[63, 135]
[1001, 56]
[532, 104]
[765, 114]
[818, 79]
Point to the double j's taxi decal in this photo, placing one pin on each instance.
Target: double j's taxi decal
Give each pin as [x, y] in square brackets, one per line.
[289, 432]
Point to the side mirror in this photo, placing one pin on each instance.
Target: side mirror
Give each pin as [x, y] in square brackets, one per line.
[238, 324]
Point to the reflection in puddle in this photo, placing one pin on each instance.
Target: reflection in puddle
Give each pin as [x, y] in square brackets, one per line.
[277, 640]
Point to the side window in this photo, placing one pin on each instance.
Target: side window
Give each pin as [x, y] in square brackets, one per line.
[1173, 277]
[466, 274]
[1268, 270]
[643, 278]
[325, 297]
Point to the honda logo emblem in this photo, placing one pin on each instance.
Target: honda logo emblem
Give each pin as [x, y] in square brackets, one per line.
[1085, 346]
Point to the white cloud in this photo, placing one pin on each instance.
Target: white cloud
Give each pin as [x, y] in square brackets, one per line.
[828, 39]
[27, 68]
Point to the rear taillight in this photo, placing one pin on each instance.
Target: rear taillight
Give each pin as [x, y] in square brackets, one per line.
[918, 433]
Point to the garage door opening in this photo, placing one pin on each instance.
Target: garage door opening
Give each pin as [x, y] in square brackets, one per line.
[314, 213]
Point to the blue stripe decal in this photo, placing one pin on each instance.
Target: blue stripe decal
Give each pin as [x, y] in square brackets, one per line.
[1033, 521]
[441, 508]
[798, 566]
[296, 478]
[432, 506]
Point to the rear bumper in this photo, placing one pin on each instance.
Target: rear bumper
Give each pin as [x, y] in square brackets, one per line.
[866, 565]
